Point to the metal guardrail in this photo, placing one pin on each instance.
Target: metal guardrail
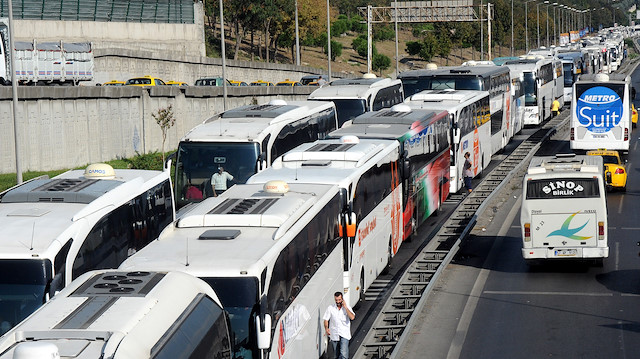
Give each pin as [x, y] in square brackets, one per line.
[387, 333]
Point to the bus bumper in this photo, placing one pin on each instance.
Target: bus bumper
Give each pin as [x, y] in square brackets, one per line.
[565, 253]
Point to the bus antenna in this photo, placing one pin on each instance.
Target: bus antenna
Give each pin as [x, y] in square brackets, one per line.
[33, 231]
[187, 253]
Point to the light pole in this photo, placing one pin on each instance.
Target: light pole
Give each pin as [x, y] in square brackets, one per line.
[224, 59]
[511, 27]
[547, 2]
[538, 13]
[526, 26]
[555, 25]
[297, 36]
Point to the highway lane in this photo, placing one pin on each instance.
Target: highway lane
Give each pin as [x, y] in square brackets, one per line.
[490, 304]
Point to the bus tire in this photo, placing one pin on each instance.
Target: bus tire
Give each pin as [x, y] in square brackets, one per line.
[361, 294]
[387, 267]
[438, 209]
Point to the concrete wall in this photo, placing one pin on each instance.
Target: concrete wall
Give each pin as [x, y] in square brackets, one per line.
[68, 127]
[157, 38]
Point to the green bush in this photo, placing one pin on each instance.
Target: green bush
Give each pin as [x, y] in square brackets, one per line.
[148, 161]
[358, 25]
[380, 63]
[339, 27]
[336, 50]
[413, 47]
[382, 33]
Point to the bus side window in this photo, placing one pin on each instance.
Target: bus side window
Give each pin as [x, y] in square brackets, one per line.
[59, 268]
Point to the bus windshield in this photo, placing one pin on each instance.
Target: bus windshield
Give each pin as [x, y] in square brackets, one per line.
[618, 88]
[561, 188]
[457, 83]
[239, 297]
[412, 86]
[196, 162]
[530, 93]
[348, 109]
[22, 289]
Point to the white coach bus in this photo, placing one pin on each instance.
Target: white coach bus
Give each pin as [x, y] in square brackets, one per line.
[273, 255]
[564, 209]
[601, 113]
[244, 141]
[539, 87]
[353, 97]
[121, 315]
[54, 230]
[470, 128]
[368, 170]
[473, 75]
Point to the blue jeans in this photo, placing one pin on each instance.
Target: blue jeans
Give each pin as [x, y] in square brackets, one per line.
[341, 351]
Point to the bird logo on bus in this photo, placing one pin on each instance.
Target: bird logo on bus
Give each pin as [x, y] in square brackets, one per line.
[570, 233]
[599, 109]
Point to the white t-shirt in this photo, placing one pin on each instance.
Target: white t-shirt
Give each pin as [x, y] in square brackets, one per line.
[339, 322]
[219, 180]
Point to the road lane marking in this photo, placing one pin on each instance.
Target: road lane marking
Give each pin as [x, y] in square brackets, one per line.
[467, 313]
[577, 294]
[620, 205]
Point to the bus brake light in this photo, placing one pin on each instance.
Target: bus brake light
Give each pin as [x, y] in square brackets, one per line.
[600, 230]
[626, 134]
[527, 232]
[573, 137]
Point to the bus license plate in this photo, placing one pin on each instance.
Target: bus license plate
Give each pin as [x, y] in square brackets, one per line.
[566, 252]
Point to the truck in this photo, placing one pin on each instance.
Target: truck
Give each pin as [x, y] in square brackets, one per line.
[45, 63]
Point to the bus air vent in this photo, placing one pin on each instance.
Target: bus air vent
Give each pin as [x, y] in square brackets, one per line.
[244, 206]
[63, 190]
[330, 147]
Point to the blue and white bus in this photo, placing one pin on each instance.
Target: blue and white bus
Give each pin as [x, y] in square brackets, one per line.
[572, 64]
[601, 112]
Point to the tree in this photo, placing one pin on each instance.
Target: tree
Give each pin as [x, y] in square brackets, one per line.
[165, 119]
[429, 47]
[336, 50]
[380, 63]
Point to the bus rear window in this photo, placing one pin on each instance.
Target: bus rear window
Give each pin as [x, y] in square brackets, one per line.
[558, 188]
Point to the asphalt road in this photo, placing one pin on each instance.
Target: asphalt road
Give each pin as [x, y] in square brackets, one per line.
[489, 304]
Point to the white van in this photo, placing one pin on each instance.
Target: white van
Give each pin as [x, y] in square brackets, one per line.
[564, 209]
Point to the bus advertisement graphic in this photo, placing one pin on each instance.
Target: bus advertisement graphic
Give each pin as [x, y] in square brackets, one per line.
[599, 109]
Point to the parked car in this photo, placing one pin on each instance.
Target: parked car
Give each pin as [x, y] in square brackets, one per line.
[177, 83]
[615, 172]
[113, 83]
[210, 81]
[288, 82]
[312, 80]
[261, 83]
[238, 83]
[634, 116]
[145, 81]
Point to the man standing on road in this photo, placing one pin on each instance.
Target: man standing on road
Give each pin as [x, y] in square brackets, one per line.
[337, 324]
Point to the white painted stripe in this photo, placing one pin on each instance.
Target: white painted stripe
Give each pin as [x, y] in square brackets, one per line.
[467, 313]
[617, 256]
[620, 205]
[629, 295]
[628, 228]
[576, 294]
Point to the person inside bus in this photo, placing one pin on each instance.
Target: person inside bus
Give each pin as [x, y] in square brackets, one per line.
[337, 325]
[467, 174]
[555, 107]
[219, 181]
[192, 192]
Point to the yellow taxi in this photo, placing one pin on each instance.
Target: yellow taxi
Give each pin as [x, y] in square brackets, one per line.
[261, 83]
[634, 116]
[113, 83]
[145, 81]
[176, 83]
[237, 83]
[615, 173]
[288, 82]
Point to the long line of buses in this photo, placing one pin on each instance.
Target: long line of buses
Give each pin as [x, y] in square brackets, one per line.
[326, 191]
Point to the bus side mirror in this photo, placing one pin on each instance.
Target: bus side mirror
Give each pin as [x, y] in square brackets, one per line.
[351, 224]
[406, 169]
[56, 285]
[456, 135]
[263, 331]
[167, 162]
